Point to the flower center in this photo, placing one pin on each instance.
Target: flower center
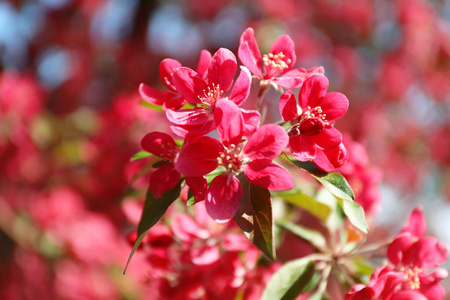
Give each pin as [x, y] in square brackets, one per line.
[275, 64]
[311, 122]
[231, 159]
[412, 277]
[211, 95]
[169, 153]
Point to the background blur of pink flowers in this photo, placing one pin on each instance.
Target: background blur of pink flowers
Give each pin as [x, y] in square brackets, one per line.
[71, 118]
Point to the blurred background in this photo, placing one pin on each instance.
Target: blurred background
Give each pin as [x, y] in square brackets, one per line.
[71, 118]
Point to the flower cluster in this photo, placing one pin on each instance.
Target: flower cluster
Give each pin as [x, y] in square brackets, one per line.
[410, 254]
[199, 102]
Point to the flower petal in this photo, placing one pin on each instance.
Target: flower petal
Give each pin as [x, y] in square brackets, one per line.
[398, 247]
[249, 53]
[269, 175]
[288, 82]
[185, 228]
[160, 144]
[241, 88]
[312, 92]
[153, 96]
[193, 131]
[302, 148]
[198, 186]
[288, 106]
[205, 255]
[199, 157]
[329, 159]
[222, 200]
[335, 105]
[285, 45]
[328, 138]
[222, 69]
[252, 118]
[166, 68]
[267, 142]
[193, 116]
[163, 179]
[189, 84]
[203, 63]
[229, 122]
[416, 224]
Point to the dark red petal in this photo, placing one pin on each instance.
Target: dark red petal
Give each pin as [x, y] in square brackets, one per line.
[203, 63]
[302, 148]
[285, 44]
[252, 118]
[334, 105]
[198, 186]
[222, 200]
[189, 84]
[194, 116]
[267, 142]
[312, 92]
[249, 53]
[288, 106]
[160, 144]
[166, 68]
[269, 175]
[154, 96]
[163, 179]
[199, 157]
[222, 69]
[229, 122]
[241, 88]
[328, 138]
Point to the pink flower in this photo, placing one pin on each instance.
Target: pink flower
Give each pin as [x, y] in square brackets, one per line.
[205, 154]
[410, 252]
[166, 177]
[171, 100]
[276, 66]
[312, 136]
[206, 92]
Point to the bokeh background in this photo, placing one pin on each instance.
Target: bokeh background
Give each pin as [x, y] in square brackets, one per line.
[71, 118]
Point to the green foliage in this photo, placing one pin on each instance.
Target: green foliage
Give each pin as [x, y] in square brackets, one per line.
[254, 217]
[314, 237]
[154, 209]
[311, 205]
[140, 155]
[290, 280]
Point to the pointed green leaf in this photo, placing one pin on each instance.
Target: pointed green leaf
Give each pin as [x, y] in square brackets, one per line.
[154, 209]
[337, 185]
[290, 280]
[311, 205]
[254, 217]
[314, 237]
[355, 214]
[140, 155]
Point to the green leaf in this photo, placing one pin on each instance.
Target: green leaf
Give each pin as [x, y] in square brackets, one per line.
[355, 214]
[152, 106]
[140, 155]
[154, 209]
[311, 205]
[337, 185]
[314, 237]
[290, 280]
[254, 216]
[190, 201]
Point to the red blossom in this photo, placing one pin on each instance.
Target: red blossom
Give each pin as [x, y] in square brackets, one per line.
[254, 159]
[312, 137]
